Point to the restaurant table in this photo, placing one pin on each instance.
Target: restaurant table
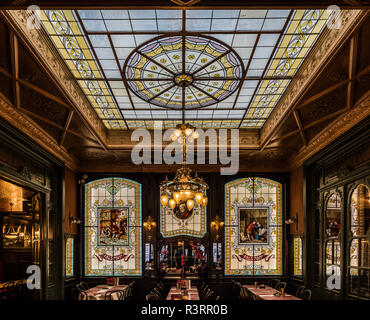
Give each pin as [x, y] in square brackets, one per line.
[192, 294]
[98, 292]
[267, 293]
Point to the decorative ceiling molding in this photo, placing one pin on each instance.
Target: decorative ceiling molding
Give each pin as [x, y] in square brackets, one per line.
[121, 140]
[320, 56]
[27, 126]
[338, 127]
[185, 3]
[40, 47]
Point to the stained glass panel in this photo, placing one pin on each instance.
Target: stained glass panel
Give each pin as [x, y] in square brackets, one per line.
[69, 256]
[265, 47]
[298, 256]
[194, 226]
[113, 228]
[253, 227]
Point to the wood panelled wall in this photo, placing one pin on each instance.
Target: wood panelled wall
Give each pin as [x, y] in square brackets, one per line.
[71, 209]
[296, 200]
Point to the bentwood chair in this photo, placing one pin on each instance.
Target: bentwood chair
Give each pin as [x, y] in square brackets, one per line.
[306, 294]
[152, 296]
[300, 291]
[110, 295]
[280, 285]
[84, 285]
[251, 295]
[159, 293]
[273, 283]
[81, 292]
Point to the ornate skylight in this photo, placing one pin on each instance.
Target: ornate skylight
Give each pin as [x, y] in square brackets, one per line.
[214, 68]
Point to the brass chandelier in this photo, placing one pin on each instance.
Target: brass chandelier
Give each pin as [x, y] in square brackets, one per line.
[184, 191]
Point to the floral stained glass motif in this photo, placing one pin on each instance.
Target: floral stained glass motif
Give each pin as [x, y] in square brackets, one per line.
[183, 71]
[69, 256]
[256, 247]
[113, 228]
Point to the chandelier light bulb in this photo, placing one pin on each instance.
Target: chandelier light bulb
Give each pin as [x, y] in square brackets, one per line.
[173, 138]
[172, 203]
[164, 200]
[190, 204]
[188, 131]
[195, 135]
[179, 140]
[176, 196]
[198, 198]
[204, 201]
[177, 133]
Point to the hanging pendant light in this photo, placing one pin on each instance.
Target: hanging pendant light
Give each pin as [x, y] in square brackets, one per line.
[172, 203]
[164, 200]
[190, 204]
[184, 189]
[198, 198]
[176, 196]
[204, 201]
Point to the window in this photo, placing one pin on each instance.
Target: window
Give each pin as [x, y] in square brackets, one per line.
[70, 257]
[332, 231]
[217, 249]
[298, 256]
[253, 227]
[149, 256]
[113, 228]
[359, 263]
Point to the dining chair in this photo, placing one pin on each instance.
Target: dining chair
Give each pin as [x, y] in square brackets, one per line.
[109, 295]
[80, 288]
[157, 291]
[243, 293]
[84, 285]
[209, 295]
[306, 294]
[300, 291]
[273, 283]
[152, 296]
[251, 295]
[280, 285]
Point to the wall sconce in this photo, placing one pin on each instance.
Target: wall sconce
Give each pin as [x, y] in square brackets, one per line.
[293, 220]
[217, 223]
[73, 220]
[83, 178]
[149, 223]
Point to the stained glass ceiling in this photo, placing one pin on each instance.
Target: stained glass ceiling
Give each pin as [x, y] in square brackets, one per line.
[213, 68]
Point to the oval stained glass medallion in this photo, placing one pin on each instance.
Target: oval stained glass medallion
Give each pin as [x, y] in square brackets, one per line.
[183, 71]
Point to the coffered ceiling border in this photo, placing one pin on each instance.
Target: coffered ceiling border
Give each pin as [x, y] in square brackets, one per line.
[338, 127]
[47, 57]
[320, 56]
[33, 131]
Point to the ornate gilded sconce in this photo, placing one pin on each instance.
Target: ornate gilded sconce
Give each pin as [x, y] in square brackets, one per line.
[217, 223]
[148, 224]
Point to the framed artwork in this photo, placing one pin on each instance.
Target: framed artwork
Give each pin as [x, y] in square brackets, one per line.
[253, 226]
[113, 227]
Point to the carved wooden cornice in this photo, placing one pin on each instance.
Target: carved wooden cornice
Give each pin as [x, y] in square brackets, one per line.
[121, 140]
[338, 127]
[27, 126]
[320, 56]
[41, 49]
